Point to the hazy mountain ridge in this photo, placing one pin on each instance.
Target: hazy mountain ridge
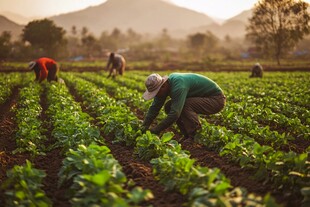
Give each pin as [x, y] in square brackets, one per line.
[145, 16]
[18, 19]
[8, 25]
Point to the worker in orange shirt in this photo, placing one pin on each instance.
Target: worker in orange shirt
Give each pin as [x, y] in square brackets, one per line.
[45, 68]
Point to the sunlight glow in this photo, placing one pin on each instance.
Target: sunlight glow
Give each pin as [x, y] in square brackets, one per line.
[222, 9]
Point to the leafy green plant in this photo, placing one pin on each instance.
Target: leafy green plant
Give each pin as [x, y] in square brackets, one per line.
[150, 146]
[29, 135]
[7, 83]
[97, 179]
[72, 126]
[177, 171]
[101, 189]
[23, 187]
[87, 160]
[235, 197]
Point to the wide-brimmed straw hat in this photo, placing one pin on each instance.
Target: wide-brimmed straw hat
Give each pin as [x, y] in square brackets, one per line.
[153, 84]
[31, 64]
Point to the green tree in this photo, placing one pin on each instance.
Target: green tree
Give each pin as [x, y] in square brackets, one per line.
[197, 40]
[117, 38]
[73, 43]
[211, 42]
[5, 45]
[277, 26]
[113, 41]
[133, 37]
[84, 31]
[44, 35]
[204, 44]
[164, 39]
[74, 30]
[91, 46]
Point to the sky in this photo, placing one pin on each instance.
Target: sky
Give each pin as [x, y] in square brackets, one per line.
[221, 9]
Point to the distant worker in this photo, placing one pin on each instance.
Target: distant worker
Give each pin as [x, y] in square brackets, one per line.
[117, 63]
[45, 68]
[191, 94]
[257, 71]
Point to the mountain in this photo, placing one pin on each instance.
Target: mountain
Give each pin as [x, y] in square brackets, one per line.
[143, 16]
[242, 17]
[8, 25]
[234, 27]
[19, 19]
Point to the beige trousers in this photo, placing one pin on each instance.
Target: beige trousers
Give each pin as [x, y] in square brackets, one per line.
[188, 121]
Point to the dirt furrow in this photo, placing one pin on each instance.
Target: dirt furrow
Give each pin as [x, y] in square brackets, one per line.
[7, 129]
[51, 162]
[140, 172]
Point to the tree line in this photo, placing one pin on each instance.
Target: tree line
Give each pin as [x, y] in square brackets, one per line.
[276, 30]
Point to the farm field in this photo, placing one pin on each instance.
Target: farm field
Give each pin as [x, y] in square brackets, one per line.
[79, 143]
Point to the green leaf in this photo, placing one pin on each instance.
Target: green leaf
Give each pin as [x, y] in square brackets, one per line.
[222, 187]
[101, 178]
[20, 194]
[167, 136]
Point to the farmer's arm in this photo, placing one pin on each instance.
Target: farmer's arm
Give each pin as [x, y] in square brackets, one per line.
[43, 72]
[177, 102]
[153, 111]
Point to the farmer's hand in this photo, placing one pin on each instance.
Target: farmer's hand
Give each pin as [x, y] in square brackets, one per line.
[144, 128]
[154, 131]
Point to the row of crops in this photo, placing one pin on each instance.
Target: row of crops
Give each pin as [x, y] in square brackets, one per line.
[263, 128]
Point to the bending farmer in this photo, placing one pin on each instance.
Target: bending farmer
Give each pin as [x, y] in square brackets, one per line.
[117, 63]
[257, 71]
[44, 68]
[191, 94]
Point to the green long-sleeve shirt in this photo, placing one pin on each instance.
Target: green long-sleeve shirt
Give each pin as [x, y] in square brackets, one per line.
[182, 86]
